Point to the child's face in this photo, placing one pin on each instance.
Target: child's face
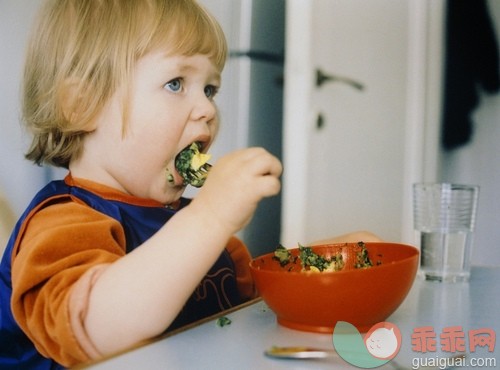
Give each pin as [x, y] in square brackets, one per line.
[171, 106]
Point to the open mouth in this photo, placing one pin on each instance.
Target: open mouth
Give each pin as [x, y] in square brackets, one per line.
[192, 165]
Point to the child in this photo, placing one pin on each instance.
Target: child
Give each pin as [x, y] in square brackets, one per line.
[113, 91]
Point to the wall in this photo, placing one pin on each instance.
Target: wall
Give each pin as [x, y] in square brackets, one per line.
[19, 179]
[477, 163]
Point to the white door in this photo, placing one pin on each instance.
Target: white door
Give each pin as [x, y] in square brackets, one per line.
[354, 143]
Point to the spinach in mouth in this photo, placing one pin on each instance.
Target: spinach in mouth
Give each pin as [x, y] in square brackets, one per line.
[193, 165]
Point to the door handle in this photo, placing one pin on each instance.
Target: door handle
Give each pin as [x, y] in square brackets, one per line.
[322, 78]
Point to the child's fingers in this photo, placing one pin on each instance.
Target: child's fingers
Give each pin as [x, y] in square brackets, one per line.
[269, 185]
[261, 162]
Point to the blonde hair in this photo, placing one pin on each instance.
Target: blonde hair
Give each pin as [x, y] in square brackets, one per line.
[81, 51]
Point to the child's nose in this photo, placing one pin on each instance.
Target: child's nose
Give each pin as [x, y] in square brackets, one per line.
[205, 109]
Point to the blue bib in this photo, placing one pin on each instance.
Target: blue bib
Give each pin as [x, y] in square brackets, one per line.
[216, 292]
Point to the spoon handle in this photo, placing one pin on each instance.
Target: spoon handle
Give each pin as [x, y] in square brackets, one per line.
[299, 352]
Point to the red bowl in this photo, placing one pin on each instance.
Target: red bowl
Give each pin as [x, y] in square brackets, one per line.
[314, 302]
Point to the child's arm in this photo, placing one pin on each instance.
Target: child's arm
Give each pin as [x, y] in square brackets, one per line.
[353, 237]
[139, 295]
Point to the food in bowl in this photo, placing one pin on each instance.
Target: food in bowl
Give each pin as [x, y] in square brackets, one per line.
[314, 302]
[351, 256]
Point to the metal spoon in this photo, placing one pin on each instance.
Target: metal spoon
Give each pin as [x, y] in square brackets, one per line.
[299, 352]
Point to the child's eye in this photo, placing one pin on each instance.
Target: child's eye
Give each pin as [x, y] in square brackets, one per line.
[211, 91]
[174, 85]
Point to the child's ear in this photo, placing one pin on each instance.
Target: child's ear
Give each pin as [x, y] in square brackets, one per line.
[70, 100]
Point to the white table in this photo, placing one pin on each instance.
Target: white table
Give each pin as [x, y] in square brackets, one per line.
[253, 329]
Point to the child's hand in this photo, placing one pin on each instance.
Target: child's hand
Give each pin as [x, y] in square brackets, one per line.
[236, 184]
